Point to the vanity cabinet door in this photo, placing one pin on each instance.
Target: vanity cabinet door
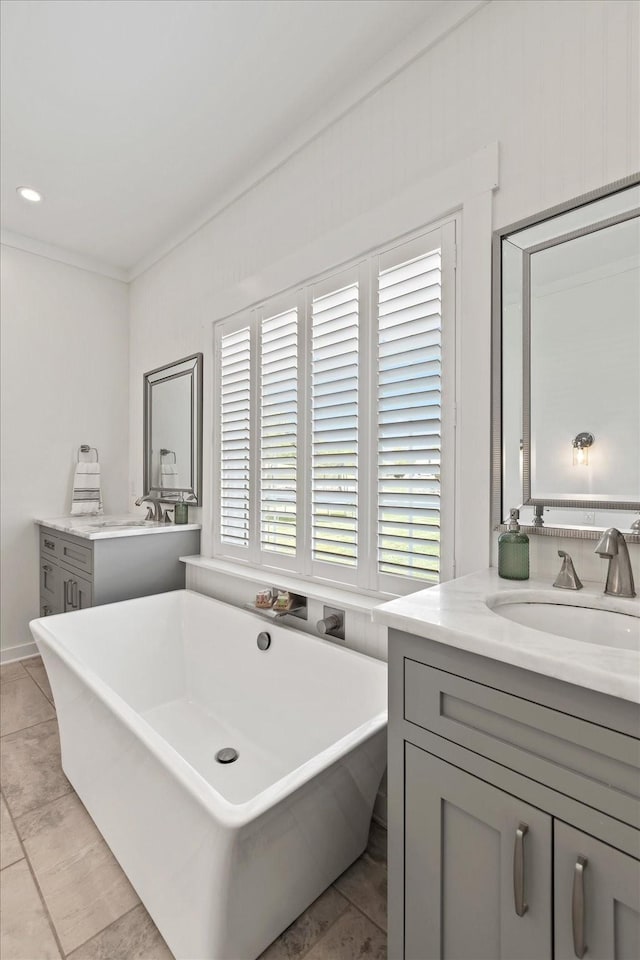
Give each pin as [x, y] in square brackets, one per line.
[77, 592]
[51, 586]
[477, 868]
[597, 898]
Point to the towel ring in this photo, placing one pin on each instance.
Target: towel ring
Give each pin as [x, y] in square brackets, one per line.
[85, 448]
[165, 453]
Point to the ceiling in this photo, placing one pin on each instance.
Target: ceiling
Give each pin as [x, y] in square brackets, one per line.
[136, 118]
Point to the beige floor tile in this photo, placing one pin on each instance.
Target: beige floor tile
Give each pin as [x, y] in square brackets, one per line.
[308, 928]
[32, 661]
[35, 669]
[352, 936]
[11, 671]
[25, 933]
[365, 885]
[30, 769]
[82, 884]
[10, 849]
[132, 937]
[22, 704]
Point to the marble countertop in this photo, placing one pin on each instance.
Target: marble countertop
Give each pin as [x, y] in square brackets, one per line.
[456, 614]
[106, 527]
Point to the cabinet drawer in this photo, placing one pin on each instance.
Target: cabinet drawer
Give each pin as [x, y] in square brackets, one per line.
[76, 555]
[49, 543]
[67, 551]
[572, 756]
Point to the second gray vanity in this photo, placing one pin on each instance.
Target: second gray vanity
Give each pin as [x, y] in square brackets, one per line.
[514, 779]
[86, 561]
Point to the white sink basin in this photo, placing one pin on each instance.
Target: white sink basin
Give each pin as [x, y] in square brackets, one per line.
[609, 628]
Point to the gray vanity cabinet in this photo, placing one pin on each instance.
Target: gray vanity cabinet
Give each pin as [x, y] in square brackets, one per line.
[464, 838]
[76, 573]
[514, 812]
[597, 891]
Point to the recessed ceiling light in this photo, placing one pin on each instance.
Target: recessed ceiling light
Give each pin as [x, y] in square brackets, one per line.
[28, 193]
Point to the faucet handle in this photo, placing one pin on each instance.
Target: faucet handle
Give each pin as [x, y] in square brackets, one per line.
[567, 579]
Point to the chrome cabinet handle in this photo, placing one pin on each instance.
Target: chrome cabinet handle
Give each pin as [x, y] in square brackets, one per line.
[74, 595]
[67, 594]
[47, 568]
[518, 870]
[49, 544]
[577, 907]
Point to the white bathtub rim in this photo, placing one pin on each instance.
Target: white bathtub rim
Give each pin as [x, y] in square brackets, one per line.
[229, 814]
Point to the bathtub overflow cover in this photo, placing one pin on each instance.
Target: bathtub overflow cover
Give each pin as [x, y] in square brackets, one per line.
[226, 755]
[264, 640]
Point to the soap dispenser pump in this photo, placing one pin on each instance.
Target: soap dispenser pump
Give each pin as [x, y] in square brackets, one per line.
[513, 550]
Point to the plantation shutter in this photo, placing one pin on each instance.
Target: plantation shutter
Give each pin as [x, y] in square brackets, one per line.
[278, 432]
[235, 435]
[409, 412]
[334, 423]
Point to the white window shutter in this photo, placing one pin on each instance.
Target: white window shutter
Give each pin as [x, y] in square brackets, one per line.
[409, 415]
[235, 436]
[278, 432]
[334, 425]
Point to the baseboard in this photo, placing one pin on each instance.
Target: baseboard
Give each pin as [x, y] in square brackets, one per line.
[21, 652]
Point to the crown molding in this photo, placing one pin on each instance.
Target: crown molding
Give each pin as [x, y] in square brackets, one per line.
[445, 19]
[51, 252]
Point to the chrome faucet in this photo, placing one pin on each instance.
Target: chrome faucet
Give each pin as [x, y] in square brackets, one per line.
[154, 508]
[613, 547]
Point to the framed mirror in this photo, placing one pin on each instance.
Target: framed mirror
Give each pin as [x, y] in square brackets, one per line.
[173, 430]
[566, 362]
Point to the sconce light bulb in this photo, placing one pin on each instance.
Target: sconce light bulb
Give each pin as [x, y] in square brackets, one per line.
[581, 444]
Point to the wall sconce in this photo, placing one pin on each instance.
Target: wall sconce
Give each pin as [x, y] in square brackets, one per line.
[581, 444]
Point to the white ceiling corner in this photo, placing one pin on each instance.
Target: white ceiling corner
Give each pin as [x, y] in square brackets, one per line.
[140, 120]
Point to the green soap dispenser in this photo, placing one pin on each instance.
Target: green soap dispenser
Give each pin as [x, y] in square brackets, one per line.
[513, 551]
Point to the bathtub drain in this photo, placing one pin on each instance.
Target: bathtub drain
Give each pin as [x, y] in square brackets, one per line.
[226, 755]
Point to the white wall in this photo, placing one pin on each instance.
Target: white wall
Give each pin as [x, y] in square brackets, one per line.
[555, 83]
[65, 381]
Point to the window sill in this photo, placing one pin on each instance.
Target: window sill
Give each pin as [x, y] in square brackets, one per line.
[312, 589]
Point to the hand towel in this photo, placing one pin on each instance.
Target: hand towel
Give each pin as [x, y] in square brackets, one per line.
[168, 475]
[87, 496]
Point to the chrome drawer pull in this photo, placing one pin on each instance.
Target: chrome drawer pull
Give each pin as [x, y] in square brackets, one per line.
[518, 870]
[47, 568]
[67, 594]
[577, 907]
[49, 544]
[74, 595]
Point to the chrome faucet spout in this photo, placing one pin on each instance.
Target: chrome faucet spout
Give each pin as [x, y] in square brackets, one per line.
[613, 547]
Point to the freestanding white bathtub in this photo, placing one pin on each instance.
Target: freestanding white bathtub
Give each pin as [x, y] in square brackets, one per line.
[223, 856]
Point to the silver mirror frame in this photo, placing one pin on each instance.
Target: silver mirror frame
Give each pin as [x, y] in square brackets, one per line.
[169, 372]
[497, 508]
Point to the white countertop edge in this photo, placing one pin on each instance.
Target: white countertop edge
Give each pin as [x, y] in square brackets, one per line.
[314, 590]
[455, 614]
[81, 527]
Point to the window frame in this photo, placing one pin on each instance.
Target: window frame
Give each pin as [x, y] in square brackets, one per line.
[365, 575]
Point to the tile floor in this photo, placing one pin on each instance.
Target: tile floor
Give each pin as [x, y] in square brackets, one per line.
[62, 893]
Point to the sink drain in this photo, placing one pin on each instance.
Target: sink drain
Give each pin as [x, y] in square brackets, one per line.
[227, 755]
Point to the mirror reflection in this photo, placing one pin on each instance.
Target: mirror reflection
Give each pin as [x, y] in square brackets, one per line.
[567, 323]
[173, 429]
[585, 366]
